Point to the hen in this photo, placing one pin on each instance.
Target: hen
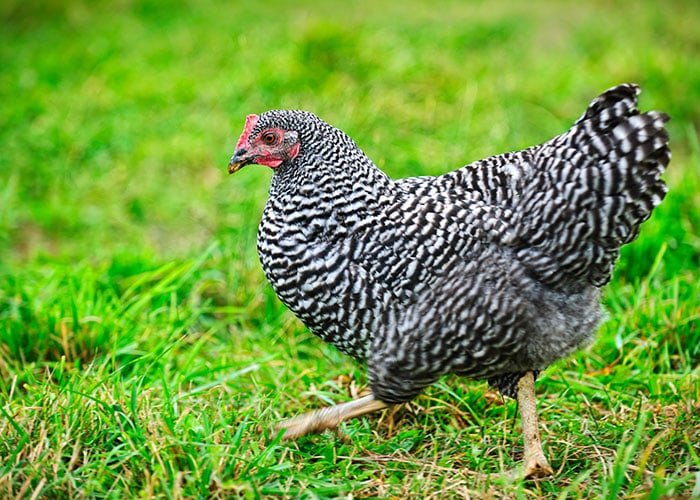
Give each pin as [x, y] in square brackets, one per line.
[492, 271]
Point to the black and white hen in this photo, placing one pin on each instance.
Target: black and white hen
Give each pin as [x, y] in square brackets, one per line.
[492, 271]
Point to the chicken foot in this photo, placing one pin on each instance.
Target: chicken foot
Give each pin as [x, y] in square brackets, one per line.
[536, 464]
[329, 417]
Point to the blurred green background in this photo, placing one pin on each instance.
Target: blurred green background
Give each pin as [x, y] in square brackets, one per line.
[129, 281]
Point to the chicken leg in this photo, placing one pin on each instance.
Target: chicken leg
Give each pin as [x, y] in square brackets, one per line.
[536, 464]
[329, 417]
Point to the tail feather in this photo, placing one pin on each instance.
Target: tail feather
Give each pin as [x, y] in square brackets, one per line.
[593, 187]
[576, 199]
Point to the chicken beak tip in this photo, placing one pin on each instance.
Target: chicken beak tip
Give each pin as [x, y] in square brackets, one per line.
[235, 165]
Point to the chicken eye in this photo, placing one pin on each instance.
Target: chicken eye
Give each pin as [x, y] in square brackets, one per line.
[269, 138]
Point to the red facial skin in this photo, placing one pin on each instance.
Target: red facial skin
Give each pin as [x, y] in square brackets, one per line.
[268, 148]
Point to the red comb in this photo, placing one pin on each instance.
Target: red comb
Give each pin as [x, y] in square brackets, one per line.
[250, 122]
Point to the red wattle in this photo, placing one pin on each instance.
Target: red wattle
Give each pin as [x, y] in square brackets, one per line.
[269, 161]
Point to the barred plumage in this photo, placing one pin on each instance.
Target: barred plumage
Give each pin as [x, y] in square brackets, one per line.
[489, 271]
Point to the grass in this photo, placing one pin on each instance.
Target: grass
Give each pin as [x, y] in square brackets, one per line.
[142, 354]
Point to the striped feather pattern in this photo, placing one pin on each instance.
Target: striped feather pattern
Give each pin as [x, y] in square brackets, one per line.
[487, 271]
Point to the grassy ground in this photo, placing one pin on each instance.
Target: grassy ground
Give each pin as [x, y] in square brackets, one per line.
[142, 354]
